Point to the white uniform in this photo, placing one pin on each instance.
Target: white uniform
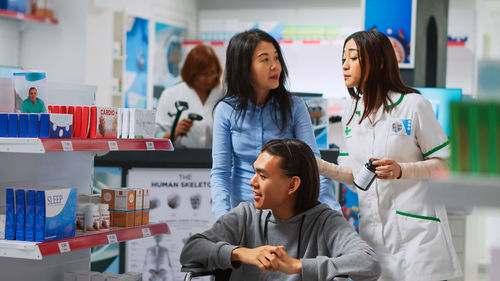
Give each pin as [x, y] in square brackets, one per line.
[200, 134]
[410, 236]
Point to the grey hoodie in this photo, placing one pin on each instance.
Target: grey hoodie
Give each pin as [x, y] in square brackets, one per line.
[321, 237]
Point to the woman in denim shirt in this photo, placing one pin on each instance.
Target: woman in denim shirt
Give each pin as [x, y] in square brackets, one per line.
[256, 108]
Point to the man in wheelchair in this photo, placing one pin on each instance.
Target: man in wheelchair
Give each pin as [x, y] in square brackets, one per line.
[286, 234]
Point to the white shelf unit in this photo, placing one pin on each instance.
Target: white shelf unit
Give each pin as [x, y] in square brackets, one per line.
[477, 196]
[119, 59]
[22, 164]
[463, 192]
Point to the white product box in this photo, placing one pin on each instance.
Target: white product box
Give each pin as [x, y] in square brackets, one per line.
[142, 123]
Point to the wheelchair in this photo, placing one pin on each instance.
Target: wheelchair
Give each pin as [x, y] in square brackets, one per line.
[194, 270]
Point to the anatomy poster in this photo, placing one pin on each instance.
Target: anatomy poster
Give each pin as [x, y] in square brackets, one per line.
[179, 197]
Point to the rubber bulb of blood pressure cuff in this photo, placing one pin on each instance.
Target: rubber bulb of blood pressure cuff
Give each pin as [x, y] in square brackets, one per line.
[366, 176]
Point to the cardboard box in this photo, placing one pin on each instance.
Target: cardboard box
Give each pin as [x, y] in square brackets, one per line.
[121, 204]
[103, 122]
[142, 123]
[60, 213]
[138, 207]
[145, 206]
[60, 125]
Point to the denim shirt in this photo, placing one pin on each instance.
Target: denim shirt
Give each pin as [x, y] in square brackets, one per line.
[236, 146]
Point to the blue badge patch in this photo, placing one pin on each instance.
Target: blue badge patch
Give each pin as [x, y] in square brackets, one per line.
[401, 127]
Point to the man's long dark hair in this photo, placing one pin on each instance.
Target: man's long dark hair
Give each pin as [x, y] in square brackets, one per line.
[297, 159]
[379, 72]
[237, 76]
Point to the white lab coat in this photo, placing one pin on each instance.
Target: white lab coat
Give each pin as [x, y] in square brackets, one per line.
[410, 236]
[200, 134]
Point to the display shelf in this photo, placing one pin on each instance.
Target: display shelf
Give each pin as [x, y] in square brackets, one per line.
[466, 191]
[36, 251]
[34, 145]
[26, 17]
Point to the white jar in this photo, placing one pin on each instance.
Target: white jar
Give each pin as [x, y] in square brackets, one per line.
[80, 217]
[92, 218]
[104, 212]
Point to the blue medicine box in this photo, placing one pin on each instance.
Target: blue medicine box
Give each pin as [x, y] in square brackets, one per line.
[13, 125]
[23, 125]
[20, 6]
[4, 125]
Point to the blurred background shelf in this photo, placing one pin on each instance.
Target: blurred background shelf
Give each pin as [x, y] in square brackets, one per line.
[37, 251]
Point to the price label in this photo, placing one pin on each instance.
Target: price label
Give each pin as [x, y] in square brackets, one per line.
[64, 247]
[67, 145]
[146, 232]
[112, 238]
[113, 145]
[150, 145]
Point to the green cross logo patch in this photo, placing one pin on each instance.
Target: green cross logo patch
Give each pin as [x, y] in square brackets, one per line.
[347, 132]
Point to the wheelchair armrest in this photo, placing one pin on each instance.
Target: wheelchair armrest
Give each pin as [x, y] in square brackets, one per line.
[197, 269]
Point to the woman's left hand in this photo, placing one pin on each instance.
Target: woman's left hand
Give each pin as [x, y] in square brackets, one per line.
[387, 169]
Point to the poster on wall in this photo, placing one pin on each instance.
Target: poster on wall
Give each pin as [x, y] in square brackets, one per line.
[167, 58]
[136, 64]
[179, 197]
[397, 20]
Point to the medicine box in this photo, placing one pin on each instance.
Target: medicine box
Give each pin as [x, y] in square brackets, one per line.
[60, 125]
[103, 122]
[142, 123]
[121, 204]
[60, 213]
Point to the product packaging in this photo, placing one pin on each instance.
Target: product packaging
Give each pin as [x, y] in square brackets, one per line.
[4, 125]
[6, 95]
[39, 216]
[121, 204]
[71, 110]
[2, 227]
[125, 123]
[120, 123]
[105, 218]
[23, 125]
[30, 215]
[20, 214]
[80, 217]
[13, 125]
[142, 123]
[43, 129]
[103, 122]
[33, 121]
[92, 218]
[60, 213]
[10, 215]
[78, 122]
[138, 206]
[84, 127]
[60, 125]
[145, 207]
[365, 176]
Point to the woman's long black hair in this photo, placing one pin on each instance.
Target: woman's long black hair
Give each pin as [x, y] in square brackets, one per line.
[237, 76]
[379, 72]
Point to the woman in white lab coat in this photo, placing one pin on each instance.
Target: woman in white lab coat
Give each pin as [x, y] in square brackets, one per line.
[389, 121]
[201, 73]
